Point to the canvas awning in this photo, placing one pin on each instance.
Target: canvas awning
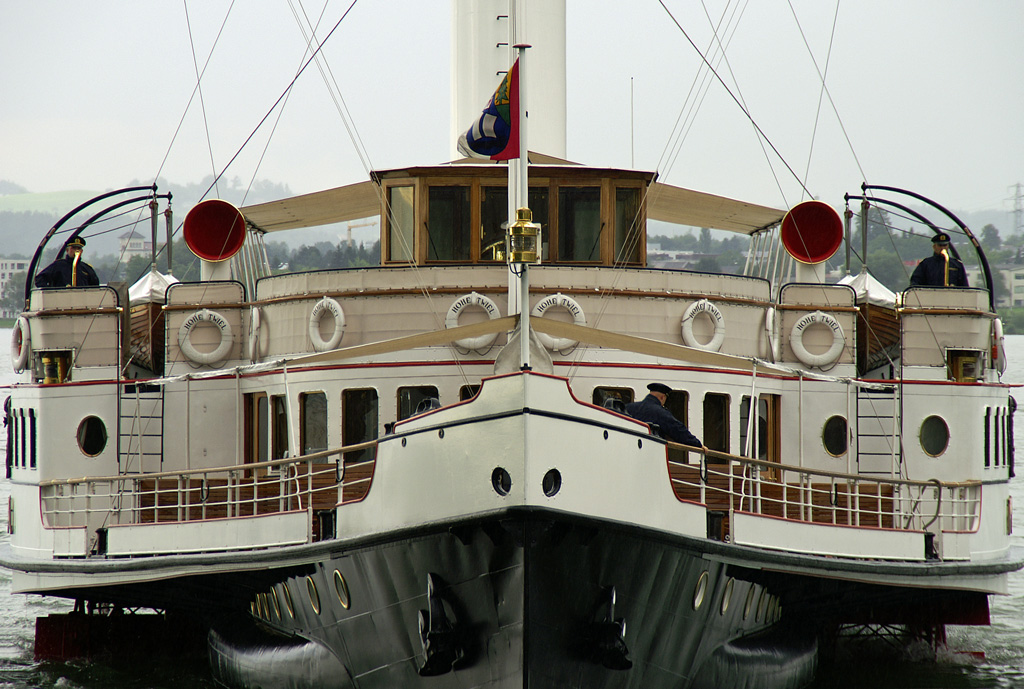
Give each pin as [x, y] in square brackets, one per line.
[351, 202]
[698, 209]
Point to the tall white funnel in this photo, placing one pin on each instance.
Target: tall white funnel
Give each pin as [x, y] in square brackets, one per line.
[481, 53]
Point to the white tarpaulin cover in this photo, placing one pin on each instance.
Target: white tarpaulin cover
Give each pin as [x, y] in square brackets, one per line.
[151, 287]
[870, 290]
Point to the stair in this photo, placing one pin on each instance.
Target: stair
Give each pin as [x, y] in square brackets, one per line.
[878, 432]
[141, 428]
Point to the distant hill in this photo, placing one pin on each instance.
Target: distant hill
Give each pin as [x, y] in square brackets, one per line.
[52, 203]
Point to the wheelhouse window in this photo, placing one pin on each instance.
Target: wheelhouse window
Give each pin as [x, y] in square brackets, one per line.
[448, 224]
[416, 399]
[313, 422]
[494, 212]
[628, 235]
[401, 223]
[579, 224]
[716, 422]
[359, 408]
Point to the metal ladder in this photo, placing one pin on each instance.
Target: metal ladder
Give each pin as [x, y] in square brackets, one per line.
[879, 423]
[141, 428]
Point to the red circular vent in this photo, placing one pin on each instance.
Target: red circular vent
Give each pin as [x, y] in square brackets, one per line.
[214, 230]
[812, 231]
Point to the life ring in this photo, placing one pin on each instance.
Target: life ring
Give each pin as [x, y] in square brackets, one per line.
[456, 309]
[771, 331]
[559, 344]
[796, 339]
[691, 313]
[998, 346]
[220, 353]
[316, 315]
[255, 320]
[21, 344]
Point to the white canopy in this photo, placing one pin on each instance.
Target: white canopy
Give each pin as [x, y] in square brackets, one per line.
[870, 290]
[151, 287]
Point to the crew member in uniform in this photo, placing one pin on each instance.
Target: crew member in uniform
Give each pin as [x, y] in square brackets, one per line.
[931, 272]
[58, 273]
[651, 409]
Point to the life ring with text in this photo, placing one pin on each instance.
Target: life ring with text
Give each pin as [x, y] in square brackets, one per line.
[255, 320]
[559, 344]
[456, 309]
[691, 313]
[998, 346]
[21, 344]
[321, 309]
[220, 352]
[771, 331]
[796, 339]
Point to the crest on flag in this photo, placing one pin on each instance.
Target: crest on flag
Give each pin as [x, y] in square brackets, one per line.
[495, 134]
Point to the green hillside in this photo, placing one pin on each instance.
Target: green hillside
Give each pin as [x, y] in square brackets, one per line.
[55, 202]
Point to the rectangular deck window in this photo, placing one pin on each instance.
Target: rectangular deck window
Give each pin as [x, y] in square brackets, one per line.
[401, 223]
[359, 409]
[32, 438]
[313, 421]
[716, 422]
[448, 224]
[415, 399]
[579, 224]
[615, 399]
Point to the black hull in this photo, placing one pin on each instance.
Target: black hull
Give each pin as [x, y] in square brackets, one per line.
[527, 600]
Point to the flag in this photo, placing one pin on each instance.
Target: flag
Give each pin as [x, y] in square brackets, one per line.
[495, 134]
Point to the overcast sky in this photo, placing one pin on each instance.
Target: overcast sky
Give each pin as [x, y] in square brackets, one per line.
[929, 91]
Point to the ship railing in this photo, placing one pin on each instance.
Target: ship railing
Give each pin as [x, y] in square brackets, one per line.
[315, 482]
[727, 484]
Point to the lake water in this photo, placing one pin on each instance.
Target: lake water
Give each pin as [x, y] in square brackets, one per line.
[959, 666]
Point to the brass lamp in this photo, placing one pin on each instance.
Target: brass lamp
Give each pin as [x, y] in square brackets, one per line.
[522, 239]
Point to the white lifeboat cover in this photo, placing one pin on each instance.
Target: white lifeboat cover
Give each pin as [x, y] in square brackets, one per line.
[870, 290]
[151, 287]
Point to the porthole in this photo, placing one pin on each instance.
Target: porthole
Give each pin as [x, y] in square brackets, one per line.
[551, 483]
[700, 591]
[727, 595]
[501, 482]
[762, 604]
[934, 436]
[835, 436]
[92, 435]
[288, 599]
[341, 587]
[276, 602]
[314, 595]
[749, 605]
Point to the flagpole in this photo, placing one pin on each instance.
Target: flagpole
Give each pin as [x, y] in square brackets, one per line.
[523, 201]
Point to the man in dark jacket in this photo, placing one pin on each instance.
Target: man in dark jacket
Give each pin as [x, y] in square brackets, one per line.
[651, 409]
[58, 273]
[931, 272]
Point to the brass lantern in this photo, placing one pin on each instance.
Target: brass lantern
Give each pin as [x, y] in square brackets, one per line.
[522, 239]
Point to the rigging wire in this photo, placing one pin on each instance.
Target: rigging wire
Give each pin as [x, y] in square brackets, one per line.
[824, 76]
[199, 89]
[827, 92]
[732, 95]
